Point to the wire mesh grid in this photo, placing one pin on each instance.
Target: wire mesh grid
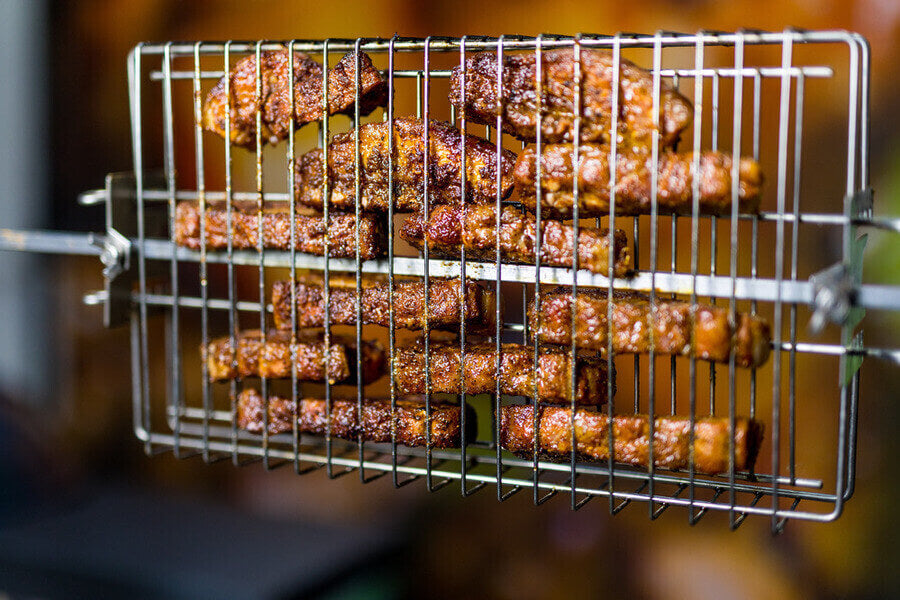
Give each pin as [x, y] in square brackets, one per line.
[748, 91]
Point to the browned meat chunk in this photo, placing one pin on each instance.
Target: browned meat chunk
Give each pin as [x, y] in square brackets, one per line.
[519, 102]
[274, 102]
[448, 228]
[410, 422]
[554, 373]
[272, 358]
[309, 230]
[631, 436]
[675, 173]
[709, 334]
[444, 161]
[409, 304]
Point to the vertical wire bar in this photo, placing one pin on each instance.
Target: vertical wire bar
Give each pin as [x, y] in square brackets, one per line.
[229, 250]
[497, 321]
[713, 230]
[674, 264]
[424, 106]
[535, 412]
[360, 440]
[573, 350]
[784, 115]
[391, 329]
[169, 159]
[695, 239]
[463, 445]
[329, 463]
[654, 235]
[754, 237]
[737, 122]
[204, 281]
[610, 366]
[795, 242]
[292, 200]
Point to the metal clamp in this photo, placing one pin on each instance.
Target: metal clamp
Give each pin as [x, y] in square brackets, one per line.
[115, 252]
[834, 295]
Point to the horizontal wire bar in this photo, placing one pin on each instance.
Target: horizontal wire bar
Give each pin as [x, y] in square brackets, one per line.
[52, 242]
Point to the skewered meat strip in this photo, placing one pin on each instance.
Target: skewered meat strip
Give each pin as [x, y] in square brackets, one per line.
[409, 304]
[448, 228]
[274, 102]
[519, 103]
[554, 373]
[377, 421]
[444, 161]
[633, 182]
[309, 230]
[631, 435]
[709, 334]
[272, 359]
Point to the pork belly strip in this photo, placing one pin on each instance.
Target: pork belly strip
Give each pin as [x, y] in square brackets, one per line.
[633, 182]
[409, 304]
[272, 359]
[631, 436]
[449, 227]
[309, 230]
[444, 162]
[710, 334]
[375, 425]
[519, 103]
[274, 103]
[554, 373]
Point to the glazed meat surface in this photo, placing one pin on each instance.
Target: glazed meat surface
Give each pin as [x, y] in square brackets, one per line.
[554, 373]
[710, 334]
[272, 358]
[409, 173]
[274, 102]
[309, 230]
[520, 103]
[410, 422]
[409, 304]
[633, 182]
[449, 227]
[631, 436]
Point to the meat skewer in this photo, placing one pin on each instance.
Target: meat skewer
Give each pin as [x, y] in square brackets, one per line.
[444, 162]
[518, 106]
[709, 334]
[409, 304]
[274, 103]
[309, 230]
[517, 374]
[272, 359]
[449, 227]
[410, 422]
[672, 448]
[633, 182]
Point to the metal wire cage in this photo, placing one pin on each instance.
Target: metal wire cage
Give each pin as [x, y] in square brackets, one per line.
[798, 260]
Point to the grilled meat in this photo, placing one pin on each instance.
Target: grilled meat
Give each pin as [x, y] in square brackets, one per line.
[519, 103]
[309, 230]
[709, 334]
[272, 358]
[554, 373]
[274, 102]
[376, 424]
[448, 228]
[631, 435]
[633, 182]
[444, 161]
[409, 304]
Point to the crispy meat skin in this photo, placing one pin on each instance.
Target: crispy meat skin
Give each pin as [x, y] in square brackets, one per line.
[631, 435]
[375, 426]
[633, 182]
[444, 162]
[309, 231]
[516, 371]
[447, 228]
[273, 359]
[636, 121]
[711, 336]
[409, 304]
[275, 107]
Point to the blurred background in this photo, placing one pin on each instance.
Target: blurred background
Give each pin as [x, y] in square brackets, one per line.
[83, 513]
